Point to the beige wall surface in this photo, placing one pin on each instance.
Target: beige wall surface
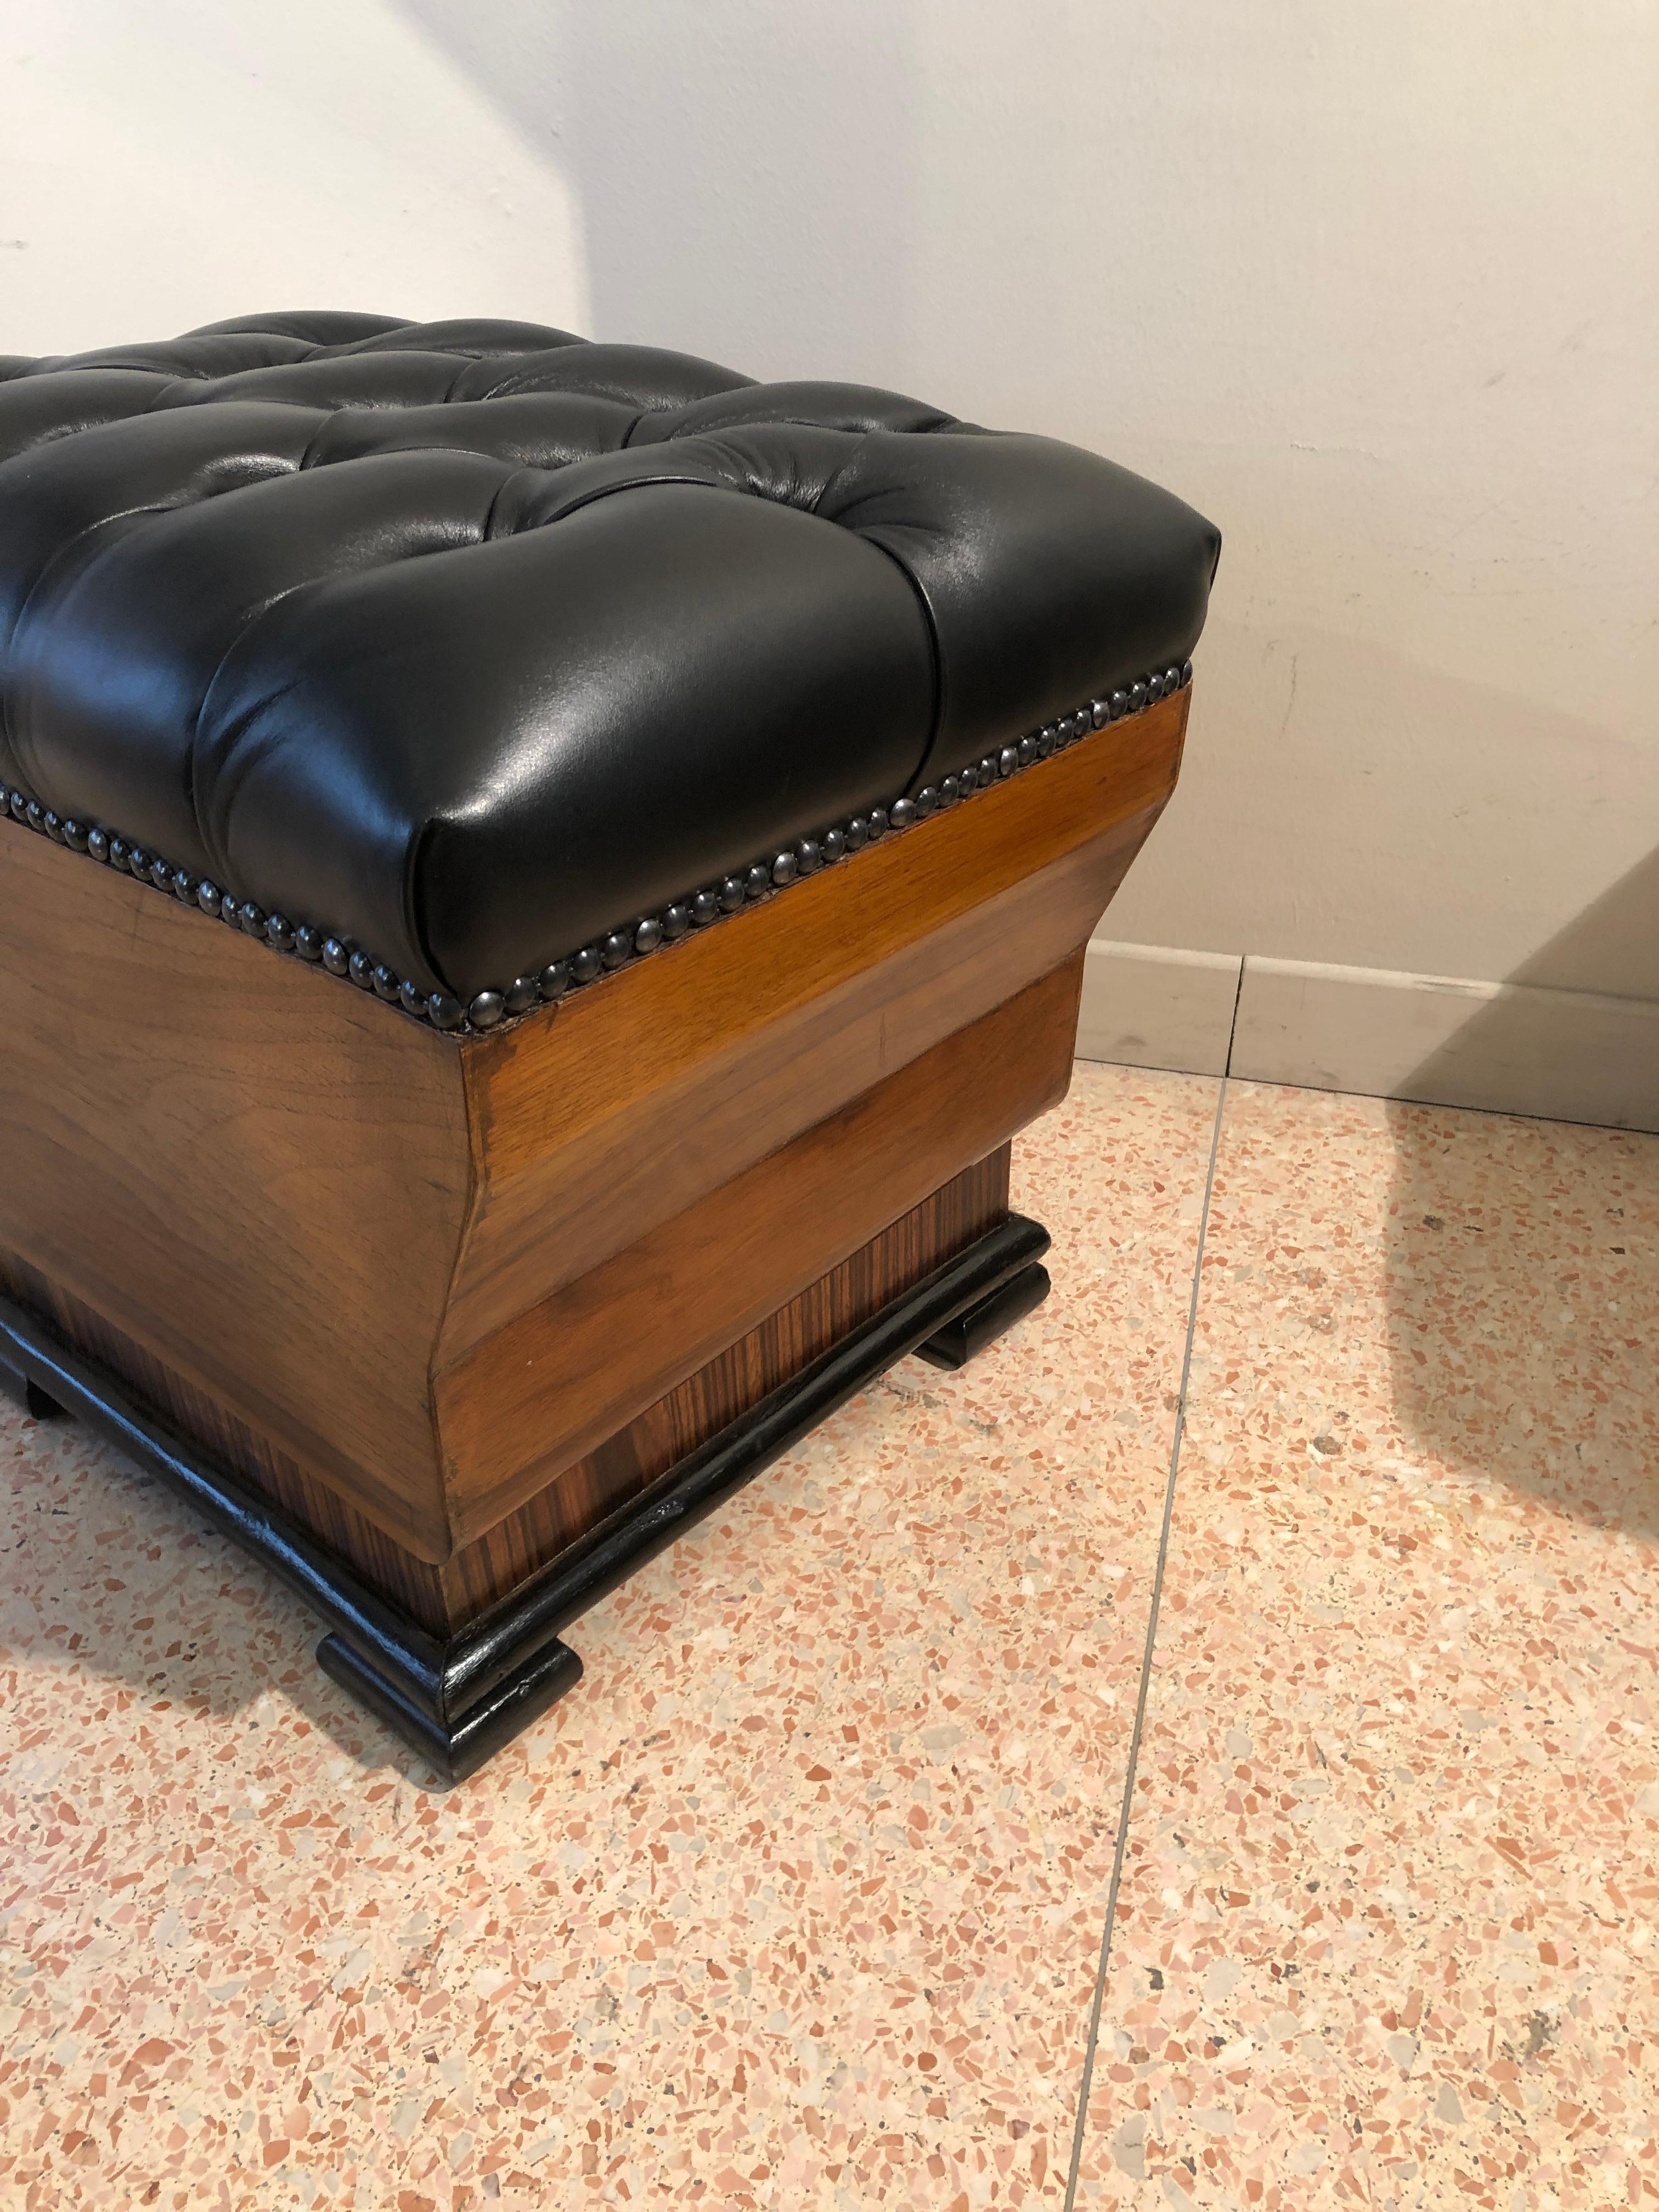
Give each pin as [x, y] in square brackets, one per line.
[1376, 286]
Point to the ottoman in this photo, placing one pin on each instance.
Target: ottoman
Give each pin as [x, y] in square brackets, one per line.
[540, 880]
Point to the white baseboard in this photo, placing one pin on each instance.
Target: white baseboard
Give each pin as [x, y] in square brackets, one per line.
[1503, 1047]
[1153, 1006]
[1507, 1048]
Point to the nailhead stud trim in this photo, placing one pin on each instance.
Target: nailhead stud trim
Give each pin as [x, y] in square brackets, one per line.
[487, 1010]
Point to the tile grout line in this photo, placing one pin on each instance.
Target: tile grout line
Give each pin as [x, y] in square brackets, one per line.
[1120, 1851]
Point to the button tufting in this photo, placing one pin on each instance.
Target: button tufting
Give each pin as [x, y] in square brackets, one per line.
[838, 602]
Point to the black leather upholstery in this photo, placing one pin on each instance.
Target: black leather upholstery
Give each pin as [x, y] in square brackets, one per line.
[470, 640]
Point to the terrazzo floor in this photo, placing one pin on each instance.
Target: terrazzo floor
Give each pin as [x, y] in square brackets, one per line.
[798, 1901]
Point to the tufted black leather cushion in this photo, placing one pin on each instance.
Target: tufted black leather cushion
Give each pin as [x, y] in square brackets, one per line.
[471, 641]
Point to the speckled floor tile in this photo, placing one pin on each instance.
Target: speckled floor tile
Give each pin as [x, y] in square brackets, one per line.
[793, 1903]
[1387, 1932]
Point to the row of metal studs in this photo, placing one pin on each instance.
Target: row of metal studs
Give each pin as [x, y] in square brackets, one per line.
[487, 1008]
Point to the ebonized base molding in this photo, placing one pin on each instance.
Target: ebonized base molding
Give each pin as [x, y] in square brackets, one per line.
[459, 1700]
[955, 1345]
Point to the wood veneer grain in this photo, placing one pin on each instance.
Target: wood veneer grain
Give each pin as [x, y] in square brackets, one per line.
[736, 1039]
[194, 1414]
[444, 1598]
[582, 1364]
[412, 1279]
[250, 1170]
[907, 1249]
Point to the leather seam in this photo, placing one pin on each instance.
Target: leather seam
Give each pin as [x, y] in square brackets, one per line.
[929, 620]
[931, 625]
[608, 491]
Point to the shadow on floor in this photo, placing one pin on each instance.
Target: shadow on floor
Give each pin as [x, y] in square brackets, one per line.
[1523, 1265]
[109, 1571]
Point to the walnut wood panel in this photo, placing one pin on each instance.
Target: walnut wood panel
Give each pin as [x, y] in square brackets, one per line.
[443, 1599]
[191, 1412]
[412, 1277]
[735, 1039]
[561, 1378]
[734, 1380]
[252, 1173]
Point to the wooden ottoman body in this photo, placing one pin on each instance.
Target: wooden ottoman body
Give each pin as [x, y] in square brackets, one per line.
[432, 1318]
[538, 880]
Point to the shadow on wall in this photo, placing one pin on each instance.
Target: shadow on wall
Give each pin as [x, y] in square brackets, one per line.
[750, 194]
[1523, 1265]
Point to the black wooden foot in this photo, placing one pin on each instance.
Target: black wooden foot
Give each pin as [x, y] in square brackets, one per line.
[955, 1344]
[458, 1700]
[29, 1395]
[456, 1748]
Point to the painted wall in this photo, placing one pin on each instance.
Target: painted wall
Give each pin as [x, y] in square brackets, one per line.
[1377, 287]
[169, 162]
